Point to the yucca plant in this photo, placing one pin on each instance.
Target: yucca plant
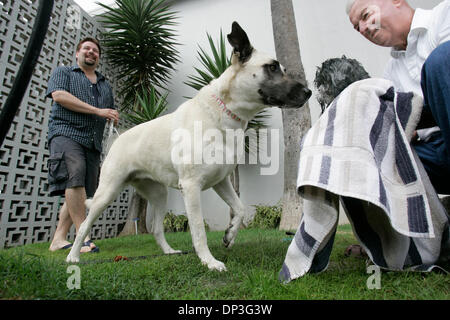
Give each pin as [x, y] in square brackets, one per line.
[214, 66]
[149, 106]
[140, 44]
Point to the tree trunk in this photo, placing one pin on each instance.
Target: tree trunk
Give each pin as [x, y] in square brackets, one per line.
[136, 209]
[296, 122]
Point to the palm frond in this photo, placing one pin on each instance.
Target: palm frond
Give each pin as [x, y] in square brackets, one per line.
[259, 120]
[148, 106]
[140, 44]
[214, 64]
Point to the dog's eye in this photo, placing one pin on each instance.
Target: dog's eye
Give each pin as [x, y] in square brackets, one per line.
[273, 67]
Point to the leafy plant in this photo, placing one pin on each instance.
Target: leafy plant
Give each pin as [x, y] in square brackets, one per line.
[140, 43]
[214, 66]
[266, 217]
[148, 106]
[177, 223]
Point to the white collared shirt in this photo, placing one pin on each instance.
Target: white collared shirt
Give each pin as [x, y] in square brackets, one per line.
[429, 28]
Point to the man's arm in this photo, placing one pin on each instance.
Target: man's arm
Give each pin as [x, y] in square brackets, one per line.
[72, 103]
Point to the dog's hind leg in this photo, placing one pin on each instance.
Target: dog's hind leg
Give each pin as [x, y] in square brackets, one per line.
[191, 194]
[226, 191]
[106, 192]
[156, 195]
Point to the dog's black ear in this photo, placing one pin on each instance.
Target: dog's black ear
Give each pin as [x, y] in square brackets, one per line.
[239, 41]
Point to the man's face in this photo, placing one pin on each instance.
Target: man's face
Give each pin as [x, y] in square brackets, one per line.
[88, 55]
[377, 21]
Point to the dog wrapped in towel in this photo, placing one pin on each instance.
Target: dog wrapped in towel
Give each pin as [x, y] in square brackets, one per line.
[334, 75]
[358, 153]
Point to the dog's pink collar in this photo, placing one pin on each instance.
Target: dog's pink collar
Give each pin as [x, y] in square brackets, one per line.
[225, 109]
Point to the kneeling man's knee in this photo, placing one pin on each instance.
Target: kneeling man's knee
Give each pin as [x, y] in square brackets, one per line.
[438, 61]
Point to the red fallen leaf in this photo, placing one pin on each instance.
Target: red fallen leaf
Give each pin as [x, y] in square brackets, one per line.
[119, 258]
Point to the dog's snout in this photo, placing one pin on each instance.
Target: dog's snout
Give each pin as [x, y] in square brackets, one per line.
[287, 93]
[307, 92]
[302, 90]
[298, 95]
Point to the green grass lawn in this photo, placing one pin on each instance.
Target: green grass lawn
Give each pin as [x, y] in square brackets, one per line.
[32, 272]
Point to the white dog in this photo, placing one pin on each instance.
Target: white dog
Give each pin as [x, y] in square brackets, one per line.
[143, 156]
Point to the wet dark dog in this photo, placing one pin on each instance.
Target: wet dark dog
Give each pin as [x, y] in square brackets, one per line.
[334, 75]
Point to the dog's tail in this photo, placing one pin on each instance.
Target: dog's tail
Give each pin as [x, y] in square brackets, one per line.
[88, 203]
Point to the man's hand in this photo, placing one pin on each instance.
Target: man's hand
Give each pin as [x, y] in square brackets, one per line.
[72, 103]
[109, 114]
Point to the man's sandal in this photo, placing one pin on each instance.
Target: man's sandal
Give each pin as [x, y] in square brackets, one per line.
[88, 244]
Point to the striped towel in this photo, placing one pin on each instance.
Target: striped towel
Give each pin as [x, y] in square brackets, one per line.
[358, 153]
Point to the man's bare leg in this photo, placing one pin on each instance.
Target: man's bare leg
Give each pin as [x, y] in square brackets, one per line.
[75, 198]
[72, 212]
[62, 229]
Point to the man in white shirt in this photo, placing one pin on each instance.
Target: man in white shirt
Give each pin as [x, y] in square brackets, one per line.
[420, 62]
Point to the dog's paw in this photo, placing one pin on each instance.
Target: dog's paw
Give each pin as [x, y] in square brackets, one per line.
[228, 241]
[229, 237]
[72, 258]
[172, 251]
[216, 266]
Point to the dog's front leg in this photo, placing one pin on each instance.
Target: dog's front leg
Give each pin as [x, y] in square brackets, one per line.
[191, 194]
[226, 191]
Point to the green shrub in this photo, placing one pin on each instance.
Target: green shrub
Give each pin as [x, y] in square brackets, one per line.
[177, 223]
[266, 217]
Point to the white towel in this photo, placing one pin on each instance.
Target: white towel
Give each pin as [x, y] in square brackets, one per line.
[359, 152]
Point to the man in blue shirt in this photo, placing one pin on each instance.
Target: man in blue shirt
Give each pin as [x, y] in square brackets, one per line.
[82, 103]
